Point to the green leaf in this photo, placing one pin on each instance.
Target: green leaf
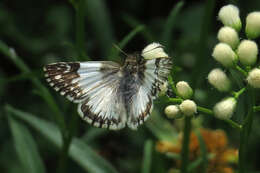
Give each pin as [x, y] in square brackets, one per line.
[130, 36]
[133, 22]
[193, 165]
[125, 40]
[25, 147]
[171, 20]
[203, 151]
[147, 158]
[79, 151]
[24, 68]
[161, 128]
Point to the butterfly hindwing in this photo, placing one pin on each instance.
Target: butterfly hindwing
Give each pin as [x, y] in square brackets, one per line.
[154, 75]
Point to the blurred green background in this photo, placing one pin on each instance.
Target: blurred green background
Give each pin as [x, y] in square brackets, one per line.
[35, 33]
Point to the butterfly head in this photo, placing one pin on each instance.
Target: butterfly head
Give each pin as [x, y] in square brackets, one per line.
[131, 62]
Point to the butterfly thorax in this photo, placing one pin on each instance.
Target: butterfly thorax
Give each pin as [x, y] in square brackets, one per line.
[132, 75]
[131, 64]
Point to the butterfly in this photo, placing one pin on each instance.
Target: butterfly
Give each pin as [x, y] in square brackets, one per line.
[110, 95]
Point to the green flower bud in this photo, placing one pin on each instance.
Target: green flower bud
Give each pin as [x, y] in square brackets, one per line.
[154, 50]
[247, 52]
[188, 107]
[218, 79]
[224, 54]
[225, 108]
[228, 35]
[173, 111]
[253, 25]
[229, 16]
[253, 78]
[184, 89]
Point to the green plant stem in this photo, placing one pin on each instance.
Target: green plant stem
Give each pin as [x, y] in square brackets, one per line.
[147, 157]
[185, 145]
[80, 47]
[238, 93]
[63, 158]
[238, 68]
[210, 112]
[171, 82]
[256, 108]
[205, 110]
[175, 100]
[245, 132]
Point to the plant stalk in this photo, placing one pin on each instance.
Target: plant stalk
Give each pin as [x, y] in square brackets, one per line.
[245, 132]
[185, 145]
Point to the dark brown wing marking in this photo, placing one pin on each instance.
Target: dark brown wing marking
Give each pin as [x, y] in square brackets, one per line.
[61, 75]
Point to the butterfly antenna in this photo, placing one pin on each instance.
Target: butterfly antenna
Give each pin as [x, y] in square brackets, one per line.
[118, 48]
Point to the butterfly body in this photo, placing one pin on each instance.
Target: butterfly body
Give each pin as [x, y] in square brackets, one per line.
[109, 95]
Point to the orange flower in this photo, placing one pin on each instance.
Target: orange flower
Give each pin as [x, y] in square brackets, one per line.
[216, 143]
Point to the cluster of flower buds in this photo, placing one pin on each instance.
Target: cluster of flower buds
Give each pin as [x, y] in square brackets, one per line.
[233, 53]
[187, 107]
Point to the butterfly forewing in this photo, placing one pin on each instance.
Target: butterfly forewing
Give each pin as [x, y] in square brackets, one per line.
[95, 86]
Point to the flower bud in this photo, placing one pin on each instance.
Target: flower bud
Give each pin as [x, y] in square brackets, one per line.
[253, 25]
[184, 89]
[224, 54]
[154, 50]
[188, 107]
[228, 35]
[172, 111]
[225, 108]
[247, 52]
[163, 88]
[229, 16]
[218, 79]
[253, 78]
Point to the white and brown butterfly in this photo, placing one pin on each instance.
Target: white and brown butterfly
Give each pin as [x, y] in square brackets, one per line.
[110, 95]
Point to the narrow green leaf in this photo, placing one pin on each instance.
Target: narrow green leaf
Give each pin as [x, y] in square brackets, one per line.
[94, 133]
[11, 54]
[130, 36]
[133, 22]
[147, 158]
[168, 27]
[161, 128]
[193, 165]
[203, 151]
[114, 53]
[25, 147]
[79, 151]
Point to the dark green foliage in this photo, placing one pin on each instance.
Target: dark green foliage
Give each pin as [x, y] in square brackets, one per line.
[40, 130]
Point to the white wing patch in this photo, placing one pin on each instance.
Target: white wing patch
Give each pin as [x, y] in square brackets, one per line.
[94, 85]
[156, 72]
[104, 106]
